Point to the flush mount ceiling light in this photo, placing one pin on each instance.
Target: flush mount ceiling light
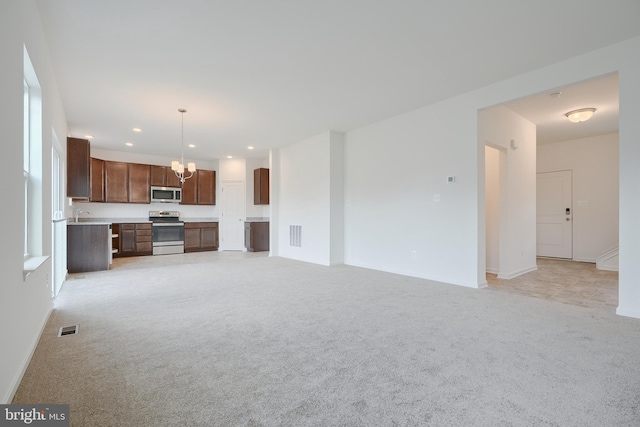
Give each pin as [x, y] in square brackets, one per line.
[178, 166]
[136, 130]
[580, 115]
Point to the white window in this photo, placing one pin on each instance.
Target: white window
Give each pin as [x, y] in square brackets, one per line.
[32, 162]
[26, 155]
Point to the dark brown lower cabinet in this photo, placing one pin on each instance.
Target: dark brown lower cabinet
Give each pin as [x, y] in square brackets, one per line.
[88, 247]
[200, 236]
[256, 236]
[144, 246]
[134, 239]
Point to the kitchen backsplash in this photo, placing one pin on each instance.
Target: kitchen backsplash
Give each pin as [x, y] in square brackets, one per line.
[126, 210]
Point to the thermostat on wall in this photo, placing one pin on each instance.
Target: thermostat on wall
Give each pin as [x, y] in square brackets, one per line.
[451, 179]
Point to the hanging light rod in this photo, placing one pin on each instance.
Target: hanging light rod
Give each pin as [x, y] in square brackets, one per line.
[178, 166]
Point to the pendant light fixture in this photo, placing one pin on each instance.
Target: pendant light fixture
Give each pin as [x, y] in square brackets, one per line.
[581, 115]
[178, 166]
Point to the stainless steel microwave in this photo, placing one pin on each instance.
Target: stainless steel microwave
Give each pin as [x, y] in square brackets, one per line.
[166, 194]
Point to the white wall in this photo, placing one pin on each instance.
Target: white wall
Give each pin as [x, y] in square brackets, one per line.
[629, 145]
[492, 188]
[309, 180]
[393, 170]
[497, 127]
[336, 197]
[594, 163]
[232, 170]
[394, 167]
[275, 231]
[24, 304]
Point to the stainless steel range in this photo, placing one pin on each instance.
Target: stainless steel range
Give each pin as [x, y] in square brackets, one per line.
[168, 232]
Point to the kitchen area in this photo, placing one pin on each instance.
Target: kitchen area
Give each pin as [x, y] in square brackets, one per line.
[123, 208]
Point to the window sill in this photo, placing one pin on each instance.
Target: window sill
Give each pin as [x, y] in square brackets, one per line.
[32, 264]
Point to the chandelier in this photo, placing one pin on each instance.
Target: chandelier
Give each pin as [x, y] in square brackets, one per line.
[178, 166]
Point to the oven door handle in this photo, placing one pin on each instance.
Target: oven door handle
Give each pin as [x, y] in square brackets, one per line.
[167, 224]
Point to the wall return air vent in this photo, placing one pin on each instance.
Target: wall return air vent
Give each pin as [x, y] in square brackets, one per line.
[295, 235]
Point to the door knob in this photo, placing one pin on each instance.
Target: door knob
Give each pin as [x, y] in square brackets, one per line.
[568, 219]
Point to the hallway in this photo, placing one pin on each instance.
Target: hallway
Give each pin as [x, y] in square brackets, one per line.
[568, 282]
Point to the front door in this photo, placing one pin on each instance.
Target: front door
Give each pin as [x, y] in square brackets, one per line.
[232, 216]
[554, 215]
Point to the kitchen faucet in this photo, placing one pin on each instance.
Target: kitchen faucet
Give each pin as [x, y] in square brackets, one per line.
[79, 211]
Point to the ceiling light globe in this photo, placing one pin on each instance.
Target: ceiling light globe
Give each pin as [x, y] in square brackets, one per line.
[581, 115]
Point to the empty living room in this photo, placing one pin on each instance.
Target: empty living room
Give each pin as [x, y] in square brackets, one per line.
[320, 213]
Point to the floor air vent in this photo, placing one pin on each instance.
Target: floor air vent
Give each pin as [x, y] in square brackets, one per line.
[68, 330]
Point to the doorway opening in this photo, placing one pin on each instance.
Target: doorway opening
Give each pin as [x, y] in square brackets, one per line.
[582, 233]
[495, 201]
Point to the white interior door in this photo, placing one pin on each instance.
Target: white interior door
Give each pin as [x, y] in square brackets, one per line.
[233, 212]
[554, 215]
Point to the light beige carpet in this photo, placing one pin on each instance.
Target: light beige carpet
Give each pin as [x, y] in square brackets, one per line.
[233, 339]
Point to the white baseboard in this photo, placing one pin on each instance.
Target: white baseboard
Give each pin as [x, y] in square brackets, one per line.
[419, 276]
[589, 260]
[27, 360]
[622, 311]
[517, 273]
[609, 260]
[492, 270]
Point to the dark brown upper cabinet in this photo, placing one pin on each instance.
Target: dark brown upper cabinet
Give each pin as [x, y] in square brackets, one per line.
[190, 190]
[164, 176]
[172, 178]
[78, 169]
[200, 189]
[97, 180]
[139, 183]
[261, 186]
[159, 176]
[206, 187]
[116, 182]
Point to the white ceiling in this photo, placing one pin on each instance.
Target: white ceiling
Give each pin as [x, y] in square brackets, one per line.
[548, 112]
[269, 73]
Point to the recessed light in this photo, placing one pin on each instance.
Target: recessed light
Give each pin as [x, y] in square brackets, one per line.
[88, 136]
[192, 145]
[251, 147]
[229, 157]
[129, 144]
[136, 130]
